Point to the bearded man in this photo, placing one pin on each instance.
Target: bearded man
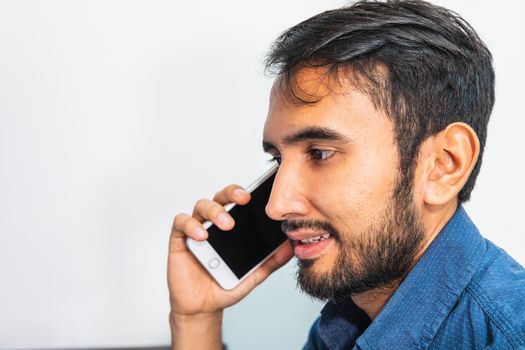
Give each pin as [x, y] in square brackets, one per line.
[378, 118]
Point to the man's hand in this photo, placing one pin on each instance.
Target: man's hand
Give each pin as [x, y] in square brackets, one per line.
[196, 299]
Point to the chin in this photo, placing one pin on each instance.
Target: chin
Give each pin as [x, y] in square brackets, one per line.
[321, 265]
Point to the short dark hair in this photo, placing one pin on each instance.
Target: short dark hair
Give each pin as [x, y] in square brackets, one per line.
[422, 64]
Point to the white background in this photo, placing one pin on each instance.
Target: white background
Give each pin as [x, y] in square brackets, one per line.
[115, 115]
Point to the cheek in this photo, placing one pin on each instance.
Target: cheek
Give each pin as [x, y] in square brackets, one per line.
[355, 191]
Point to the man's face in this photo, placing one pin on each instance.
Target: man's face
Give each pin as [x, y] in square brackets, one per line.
[344, 202]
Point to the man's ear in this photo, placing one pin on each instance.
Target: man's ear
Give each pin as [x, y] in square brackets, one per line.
[454, 154]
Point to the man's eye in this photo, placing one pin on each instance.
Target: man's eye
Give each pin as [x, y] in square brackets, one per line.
[320, 155]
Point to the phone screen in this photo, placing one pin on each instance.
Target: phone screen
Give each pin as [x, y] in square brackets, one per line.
[254, 237]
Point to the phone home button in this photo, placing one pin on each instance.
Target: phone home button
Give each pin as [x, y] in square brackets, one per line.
[213, 263]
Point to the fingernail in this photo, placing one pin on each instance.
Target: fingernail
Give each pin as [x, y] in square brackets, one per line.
[199, 232]
[225, 219]
[239, 193]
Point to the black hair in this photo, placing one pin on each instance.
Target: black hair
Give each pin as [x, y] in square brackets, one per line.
[422, 64]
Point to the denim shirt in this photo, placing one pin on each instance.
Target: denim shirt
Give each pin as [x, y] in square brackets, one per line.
[463, 293]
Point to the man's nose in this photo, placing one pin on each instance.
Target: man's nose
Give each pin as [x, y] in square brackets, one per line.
[287, 198]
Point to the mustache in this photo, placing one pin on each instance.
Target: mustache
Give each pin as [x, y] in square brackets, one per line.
[318, 225]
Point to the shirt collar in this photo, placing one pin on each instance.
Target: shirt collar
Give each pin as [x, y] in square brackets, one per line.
[341, 323]
[414, 313]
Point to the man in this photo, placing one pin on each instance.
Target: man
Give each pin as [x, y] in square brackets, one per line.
[378, 118]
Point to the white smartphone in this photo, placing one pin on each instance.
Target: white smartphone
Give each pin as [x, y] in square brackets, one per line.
[230, 256]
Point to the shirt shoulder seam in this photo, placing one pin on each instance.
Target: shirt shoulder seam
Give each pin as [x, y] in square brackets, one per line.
[494, 314]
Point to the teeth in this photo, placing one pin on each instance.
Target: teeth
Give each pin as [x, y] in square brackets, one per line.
[311, 240]
[315, 239]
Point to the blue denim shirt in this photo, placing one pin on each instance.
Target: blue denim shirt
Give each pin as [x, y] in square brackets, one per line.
[464, 293]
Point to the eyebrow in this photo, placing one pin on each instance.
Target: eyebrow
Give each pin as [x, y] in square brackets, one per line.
[308, 134]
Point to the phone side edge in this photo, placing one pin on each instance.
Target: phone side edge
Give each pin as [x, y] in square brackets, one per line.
[272, 170]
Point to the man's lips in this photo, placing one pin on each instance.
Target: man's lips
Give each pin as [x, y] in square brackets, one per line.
[298, 230]
[305, 236]
[309, 244]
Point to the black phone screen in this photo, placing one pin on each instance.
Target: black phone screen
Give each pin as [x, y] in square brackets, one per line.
[254, 237]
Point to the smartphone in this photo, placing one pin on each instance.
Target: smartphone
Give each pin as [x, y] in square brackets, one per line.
[230, 256]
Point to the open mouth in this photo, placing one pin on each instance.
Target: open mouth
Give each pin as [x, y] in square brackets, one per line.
[312, 247]
[311, 240]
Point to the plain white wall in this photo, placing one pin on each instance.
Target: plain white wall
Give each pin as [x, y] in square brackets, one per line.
[115, 115]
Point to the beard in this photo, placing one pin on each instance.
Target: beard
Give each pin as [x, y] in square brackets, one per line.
[380, 255]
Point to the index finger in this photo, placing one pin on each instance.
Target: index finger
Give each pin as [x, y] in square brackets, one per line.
[232, 194]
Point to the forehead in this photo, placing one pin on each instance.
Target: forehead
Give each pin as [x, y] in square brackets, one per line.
[338, 105]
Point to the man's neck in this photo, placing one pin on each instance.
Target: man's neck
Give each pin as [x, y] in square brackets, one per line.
[372, 302]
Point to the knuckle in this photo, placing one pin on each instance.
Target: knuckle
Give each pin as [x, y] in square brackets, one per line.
[231, 188]
[226, 194]
[201, 206]
[188, 226]
[216, 210]
[208, 209]
[179, 220]
[200, 203]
